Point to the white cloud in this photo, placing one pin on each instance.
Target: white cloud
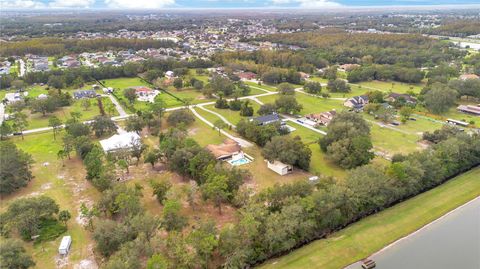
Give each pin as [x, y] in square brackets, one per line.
[139, 4]
[20, 4]
[71, 3]
[308, 3]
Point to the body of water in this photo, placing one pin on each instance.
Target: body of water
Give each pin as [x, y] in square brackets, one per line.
[450, 242]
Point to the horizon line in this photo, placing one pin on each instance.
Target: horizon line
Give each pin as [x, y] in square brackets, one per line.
[271, 8]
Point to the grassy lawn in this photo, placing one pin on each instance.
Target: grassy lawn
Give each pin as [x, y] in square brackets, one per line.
[204, 134]
[319, 163]
[37, 120]
[66, 185]
[453, 113]
[263, 86]
[189, 93]
[123, 83]
[369, 235]
[310, 104]
[233, 116]
[394, 86]
[391, 141]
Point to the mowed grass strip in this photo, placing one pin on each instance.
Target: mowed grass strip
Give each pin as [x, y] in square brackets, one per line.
[369, 235]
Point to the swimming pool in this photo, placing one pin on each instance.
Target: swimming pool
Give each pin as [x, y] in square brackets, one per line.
[240, 161]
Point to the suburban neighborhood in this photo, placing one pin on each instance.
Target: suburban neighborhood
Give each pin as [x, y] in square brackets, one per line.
[231, 139]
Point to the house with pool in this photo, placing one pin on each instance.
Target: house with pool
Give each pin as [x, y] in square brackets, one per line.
[229, 151]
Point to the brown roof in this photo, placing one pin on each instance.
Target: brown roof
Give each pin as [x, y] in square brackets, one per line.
[468, 76]
[226, 149]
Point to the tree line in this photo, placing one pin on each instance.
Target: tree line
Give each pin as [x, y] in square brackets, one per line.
[75, 77]
[61, 46]
[288, 216]
[337, 46]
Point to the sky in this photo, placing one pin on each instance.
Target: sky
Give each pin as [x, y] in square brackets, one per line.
[191, 4]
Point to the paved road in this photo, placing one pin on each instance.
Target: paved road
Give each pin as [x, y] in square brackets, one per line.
[2, 112]
[218, 115]
[21, 68]
[304, 125]
[119, 108]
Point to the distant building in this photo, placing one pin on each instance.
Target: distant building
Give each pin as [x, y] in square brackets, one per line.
[348, 67]
[279, 167]
[266, 119]
[145, 94]
[392, 97]
[356, 102]
[470, 109]
[468, 76]
[13, 97]
[124, 141]
[42, 96]
[84, 94]
[169, 74]
[247, 75]
[323, 118]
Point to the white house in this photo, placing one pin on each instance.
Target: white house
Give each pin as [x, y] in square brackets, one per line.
[65, 245]
[279, 167]
[120, 141]
[42, 96]
[169, 74]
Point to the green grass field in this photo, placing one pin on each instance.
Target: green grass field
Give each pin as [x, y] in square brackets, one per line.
[452, 113]
[66, 185]
[233, 116]
[319, 163]
[394, 86]
[310, 104]
[263, 86]
[369, 235]
[123, 83]
[37, 120]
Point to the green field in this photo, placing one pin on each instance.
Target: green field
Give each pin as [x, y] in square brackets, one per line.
[123, 83]
[310, 104]
[37, 120]
[390, 141]
[369, 235]
[319, 163]
[262, 86]
[452, 113]
[66, 185]
[394, 86]
[233, 116]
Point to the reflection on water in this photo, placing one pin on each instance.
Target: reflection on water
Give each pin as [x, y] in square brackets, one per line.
[449, 243]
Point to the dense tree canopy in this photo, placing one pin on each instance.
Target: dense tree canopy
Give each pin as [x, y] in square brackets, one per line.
[347, 141]
[14, 167]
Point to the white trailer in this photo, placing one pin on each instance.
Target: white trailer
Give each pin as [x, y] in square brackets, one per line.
[65, 245]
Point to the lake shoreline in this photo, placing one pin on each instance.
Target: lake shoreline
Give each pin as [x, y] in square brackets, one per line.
[421, 229]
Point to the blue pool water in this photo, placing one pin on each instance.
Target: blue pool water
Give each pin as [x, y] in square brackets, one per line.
[238, 162]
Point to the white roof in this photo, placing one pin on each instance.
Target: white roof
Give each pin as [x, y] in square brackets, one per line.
[119, 141]
[66, 240]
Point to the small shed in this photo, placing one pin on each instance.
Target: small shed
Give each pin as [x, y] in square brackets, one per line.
[64, 247]
[279, 167]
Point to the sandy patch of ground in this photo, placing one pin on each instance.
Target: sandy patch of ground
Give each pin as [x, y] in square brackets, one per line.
[46, 186]
[79, 219]
[192, 131]
[86, 264]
